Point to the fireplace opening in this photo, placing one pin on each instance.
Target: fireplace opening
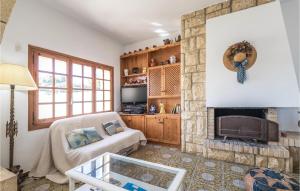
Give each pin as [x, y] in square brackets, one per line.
[246, 124]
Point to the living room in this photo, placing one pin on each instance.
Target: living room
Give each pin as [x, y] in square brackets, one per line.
[176, 95]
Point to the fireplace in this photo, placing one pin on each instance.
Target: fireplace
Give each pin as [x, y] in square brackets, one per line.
[247, 124]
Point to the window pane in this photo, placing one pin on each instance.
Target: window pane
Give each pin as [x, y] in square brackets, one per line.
[77, 70]
[87, 83]
[45, 79]
[99, 73]
[60, 110]
[106, 95]
[87, 71]
[45, 64]
[106, 85]
[77, 108]
[60, 66]
[45, 111]
[60, 96]
[77, 95]
[99, 84]
[99, 95]
[87, 107]
[45, 95]
[60, 81]
[77, 82]
[107, 106]
[106, 74]
[99, 106]
[87, 95]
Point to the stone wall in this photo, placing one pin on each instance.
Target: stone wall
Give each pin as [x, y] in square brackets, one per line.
[193, 49]
[6, 8]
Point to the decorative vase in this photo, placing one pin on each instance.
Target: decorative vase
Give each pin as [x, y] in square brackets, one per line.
[126, 72]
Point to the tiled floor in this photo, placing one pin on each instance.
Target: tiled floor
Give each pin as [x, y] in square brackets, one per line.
[202, 174]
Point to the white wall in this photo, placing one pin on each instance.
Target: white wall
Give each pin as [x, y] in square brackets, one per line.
[32, 22]
[148, 43]
[290, 12]
[272, 80]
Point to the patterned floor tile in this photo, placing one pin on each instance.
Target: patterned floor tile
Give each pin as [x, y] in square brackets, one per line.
[202, 174]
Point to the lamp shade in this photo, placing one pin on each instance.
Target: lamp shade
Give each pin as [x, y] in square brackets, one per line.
[11, 74]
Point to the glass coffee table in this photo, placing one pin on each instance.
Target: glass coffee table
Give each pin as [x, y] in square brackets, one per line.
[112, 172]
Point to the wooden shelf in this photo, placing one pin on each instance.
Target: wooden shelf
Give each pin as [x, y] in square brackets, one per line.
[151, 50]
[160, 66]
[164, 97]
[134, 85]
[134, 75]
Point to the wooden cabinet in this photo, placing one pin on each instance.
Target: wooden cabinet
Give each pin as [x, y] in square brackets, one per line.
[163, 128]
[164, 81]
[171, 131]
[135, 121]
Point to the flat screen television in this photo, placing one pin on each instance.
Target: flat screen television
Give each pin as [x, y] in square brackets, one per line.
[134, 94]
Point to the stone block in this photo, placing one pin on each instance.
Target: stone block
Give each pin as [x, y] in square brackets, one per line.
[195, 31]
[261, 161]
[196, 105]
[260, 2]
[226, 4]
[201, 41]
[247, 159]
[214, 8]
[6, 9]
[202, 29]
[188, 95]
[218, 13]
[187, 33]
[191, 58]
[187, 82]
[190, 69]
[190, 147]
[190, 126]
[198, 90]
[202, 56]
[201, 68]
[187, 16]
[238, 5]
[188, 115]
[198, 77]
[220, 155]
[276, 163]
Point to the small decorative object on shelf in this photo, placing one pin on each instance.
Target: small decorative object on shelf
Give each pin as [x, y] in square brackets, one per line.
[154, 46]
[178, 39]
[126, 72]
[144, 70]
[152, 62]
[124, 53]
[152, 109]
[140, 49]
[162, 108]
[129, 52]
[176, 109]
[172, 59]
[167, 41]
[135, 70]
[146, 48]
[135, 51]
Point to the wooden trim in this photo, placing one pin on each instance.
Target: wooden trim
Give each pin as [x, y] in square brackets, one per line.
[33, 52]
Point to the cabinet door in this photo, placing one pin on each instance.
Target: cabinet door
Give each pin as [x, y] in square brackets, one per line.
[171, 130]
[138, 122]
[154, 128]
[172, 80]
[127, 120]
[154, 81]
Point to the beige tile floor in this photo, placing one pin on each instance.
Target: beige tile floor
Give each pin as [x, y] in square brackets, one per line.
[202, 174]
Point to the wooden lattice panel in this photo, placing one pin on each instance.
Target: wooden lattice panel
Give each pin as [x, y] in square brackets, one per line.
[172, 80]
[154, 88]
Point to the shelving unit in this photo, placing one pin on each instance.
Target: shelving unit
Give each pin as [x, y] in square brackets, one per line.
[163, 86]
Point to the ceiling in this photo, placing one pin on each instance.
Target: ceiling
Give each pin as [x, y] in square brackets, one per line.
[129, 21]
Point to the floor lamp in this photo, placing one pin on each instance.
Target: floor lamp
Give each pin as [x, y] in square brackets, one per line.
[15, 77]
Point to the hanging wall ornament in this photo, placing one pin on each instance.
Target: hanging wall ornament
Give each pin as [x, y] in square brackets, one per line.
[240, 57]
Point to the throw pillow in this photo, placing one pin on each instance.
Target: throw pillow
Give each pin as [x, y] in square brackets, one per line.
[112, 127]
[92, 134]
[77, 139]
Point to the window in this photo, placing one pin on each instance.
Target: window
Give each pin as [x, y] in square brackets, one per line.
[67, 86]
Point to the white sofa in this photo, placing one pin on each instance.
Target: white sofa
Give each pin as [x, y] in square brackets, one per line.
[57, 157]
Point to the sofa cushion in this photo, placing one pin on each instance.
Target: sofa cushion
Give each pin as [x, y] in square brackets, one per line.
[81, 137]
[92, 134]
[77, 139]
[112, 127]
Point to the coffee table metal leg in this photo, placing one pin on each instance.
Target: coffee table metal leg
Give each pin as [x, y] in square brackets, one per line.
[71, 184]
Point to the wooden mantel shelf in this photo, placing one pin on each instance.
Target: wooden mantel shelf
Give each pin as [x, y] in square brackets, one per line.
[134, 75]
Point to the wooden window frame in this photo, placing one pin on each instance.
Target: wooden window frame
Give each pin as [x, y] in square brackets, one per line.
[33, 123]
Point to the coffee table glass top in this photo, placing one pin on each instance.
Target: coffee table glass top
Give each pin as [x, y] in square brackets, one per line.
[131, 174]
